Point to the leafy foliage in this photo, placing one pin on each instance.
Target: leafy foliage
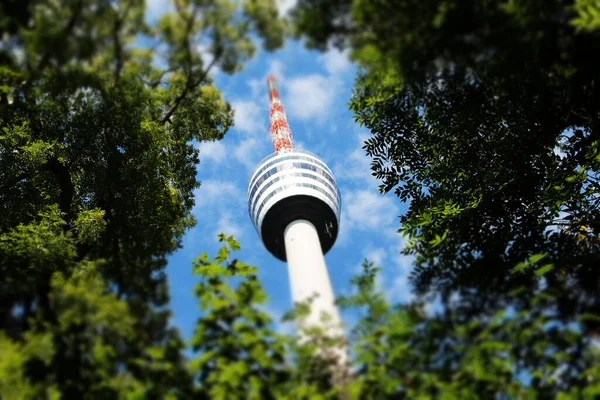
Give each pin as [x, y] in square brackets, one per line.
[241, 355]
[405, 351]
[588, 15]
[484, 120]
[100, 118]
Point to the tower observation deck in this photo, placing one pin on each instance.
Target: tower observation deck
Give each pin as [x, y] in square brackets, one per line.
[294, 203]
[289, 186]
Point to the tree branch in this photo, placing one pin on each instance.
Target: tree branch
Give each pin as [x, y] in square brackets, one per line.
[66, 31]
[189, 85]
[65, 183]
[158, 81]
[118, 47]
[185, 91]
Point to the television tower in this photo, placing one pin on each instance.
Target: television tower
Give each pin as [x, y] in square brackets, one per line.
[294, 204]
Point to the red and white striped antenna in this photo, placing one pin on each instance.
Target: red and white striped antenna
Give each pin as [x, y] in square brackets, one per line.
[280, 129]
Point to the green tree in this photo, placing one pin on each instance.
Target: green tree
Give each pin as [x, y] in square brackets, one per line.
[77, 344]
[399, 351]
[100, 113]
[484, 120]
[241, 356]
[402, 352]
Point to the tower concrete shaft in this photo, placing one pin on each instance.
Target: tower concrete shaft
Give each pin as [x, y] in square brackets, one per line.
[295, 204]
[309, 278]
[310, 281]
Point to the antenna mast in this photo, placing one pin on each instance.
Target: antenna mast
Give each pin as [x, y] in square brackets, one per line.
[280, 129]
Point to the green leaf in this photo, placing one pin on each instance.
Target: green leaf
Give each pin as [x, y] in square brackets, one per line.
[572, 178]
[588, 317]
[520, 267]
[534, 259]
[544, 270]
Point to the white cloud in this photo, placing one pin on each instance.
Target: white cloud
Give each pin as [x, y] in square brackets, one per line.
[311, 96]
[249, 116]
[156, 8]
[345, 231]
[368, 210]
[220, 207]
[399, 288]
[363, 207]
[258, 86]
[285, 6]
[276, 67]
[250, 151]
[355, 168]
[376, 256]
[214, 151]
[305, 96]
[251, 121]
[336, 62]
[299, 144]
[214, 191]
[205, 49]
[364, 211]
[228, 224]
[252, 125]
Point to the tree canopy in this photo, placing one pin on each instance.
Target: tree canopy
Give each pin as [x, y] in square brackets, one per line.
[484, 119]
[100, 113]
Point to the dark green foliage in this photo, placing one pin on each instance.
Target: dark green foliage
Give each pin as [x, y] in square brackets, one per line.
[97, 174]
[484, 119]
[472, 144]
[402, 352]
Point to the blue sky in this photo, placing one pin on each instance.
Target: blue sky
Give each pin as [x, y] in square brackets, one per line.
[316, 89]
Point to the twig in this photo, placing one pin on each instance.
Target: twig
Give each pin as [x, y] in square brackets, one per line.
[185, 91]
